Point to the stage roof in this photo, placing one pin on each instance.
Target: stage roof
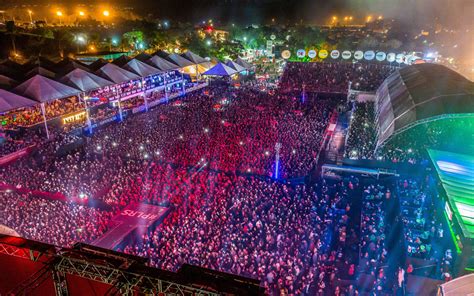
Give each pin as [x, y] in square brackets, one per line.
[420, 92]
[456, 172]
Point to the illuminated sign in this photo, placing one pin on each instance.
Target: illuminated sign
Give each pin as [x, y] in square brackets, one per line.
[286, 54]
[391, 57]
[358, 55]
[312, 53]
[74, 117]
[400, 58]
[369, 55]
[335, 54]
[380, 56]
[346, 54]
[301, 53]
[323, 54]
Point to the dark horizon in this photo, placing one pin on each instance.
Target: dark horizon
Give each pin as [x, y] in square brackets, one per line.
[454, 13]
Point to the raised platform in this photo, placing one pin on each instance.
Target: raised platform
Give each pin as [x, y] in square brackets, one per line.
[135, 217]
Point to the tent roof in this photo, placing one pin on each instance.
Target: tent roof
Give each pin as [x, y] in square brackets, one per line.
[161, 53]
[235, 66]
[162, 64]
[97, 64]
[67, 65]
[419, 92]
[116, 74]
[39, 71]
[220, 70]
[10, 101]
[243, 63]
[121, 60]
[140, 68]
[6, 81]
[85, 81]
[143, 57]
[194, 58]
[43, 89]
[179, 60]
[39, 62]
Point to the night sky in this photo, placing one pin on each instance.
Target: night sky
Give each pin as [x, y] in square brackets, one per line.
[452, 12]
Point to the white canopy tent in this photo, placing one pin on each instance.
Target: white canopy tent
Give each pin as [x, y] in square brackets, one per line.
[243, 63]
[116, 74]
[85, 81]
[235, 66]
[140, 68]
[194, 58]
[43, 90]
[10, 101]
[180, 61]
[162, 64]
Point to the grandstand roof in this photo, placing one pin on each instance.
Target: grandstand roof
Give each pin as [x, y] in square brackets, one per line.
[420, 92]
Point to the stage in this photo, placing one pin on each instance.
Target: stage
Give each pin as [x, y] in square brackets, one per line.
[135, 218]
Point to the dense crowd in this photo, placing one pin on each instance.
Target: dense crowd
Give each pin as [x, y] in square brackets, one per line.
[334, 77]
[409, 146]
[210, 157]
[51, 221]
[235, 224]
[360, 143]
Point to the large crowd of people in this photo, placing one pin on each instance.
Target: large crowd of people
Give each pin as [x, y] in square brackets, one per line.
[334, 77]
[51, 221]
[409, 146]
[211, 157]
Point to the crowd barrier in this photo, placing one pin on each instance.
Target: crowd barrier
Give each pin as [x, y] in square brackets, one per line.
[16, 155]
[91, 202]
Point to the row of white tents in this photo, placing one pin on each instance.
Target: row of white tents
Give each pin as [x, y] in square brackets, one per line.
[46, 85]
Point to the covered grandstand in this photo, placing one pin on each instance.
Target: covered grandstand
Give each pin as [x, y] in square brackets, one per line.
[418, 94]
